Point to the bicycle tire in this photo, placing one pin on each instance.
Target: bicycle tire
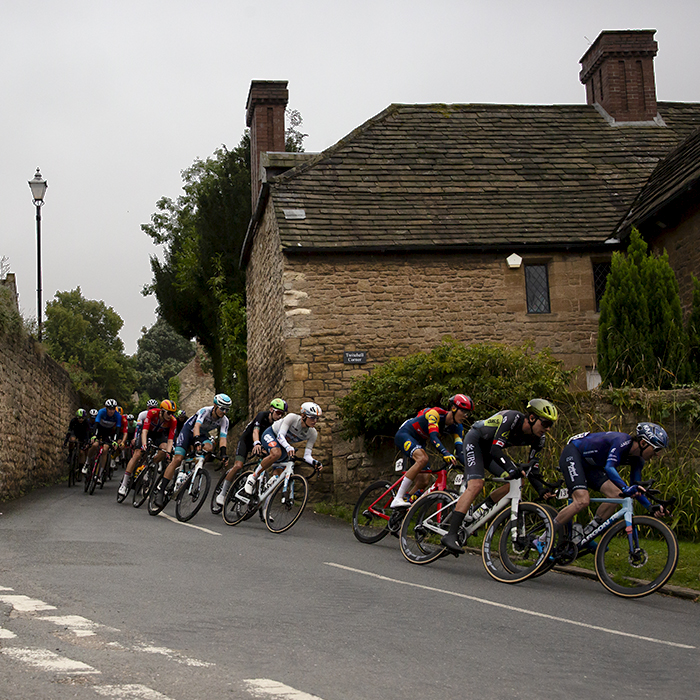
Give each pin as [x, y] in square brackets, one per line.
[143, 485]
[73, 466]
[370, 518]
[94, 475]
[193, 495]
[551, 562]
[636, 579]
[286, 503]
[154, 509]
[234, 511]
[510, 561]
[421, 545]
[214, 507]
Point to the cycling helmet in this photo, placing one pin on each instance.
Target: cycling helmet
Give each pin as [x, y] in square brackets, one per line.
[130, 417]
[543, 409]
[654, 434]
[111, 403]
[222, 401]
[93, 412]
[81, 413]
[168, 406]
[279, 404]
[309, 408]
[460, 401]
[151, 403]
[181, 414]
[120, 410]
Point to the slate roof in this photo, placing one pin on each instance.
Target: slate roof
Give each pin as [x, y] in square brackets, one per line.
[672, 177]
[470, 176]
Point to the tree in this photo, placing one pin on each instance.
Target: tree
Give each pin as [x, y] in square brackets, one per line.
[641, 341]
[693, 328]
[161, 353]
[82, 334]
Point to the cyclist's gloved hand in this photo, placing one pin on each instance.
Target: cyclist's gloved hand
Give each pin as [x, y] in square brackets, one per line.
[317, 464]
[657, 510]
[450, 459]
[630, 491]
[513, 473]
[93, 438]
[291, 453]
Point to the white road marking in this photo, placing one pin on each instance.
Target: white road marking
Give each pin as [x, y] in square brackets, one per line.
[5, 588]
[6, 634]
[173, 655]
[80, 626]
[266, 688]
[524, 611]
[23, 603]
[133, 691]
[47, 660]
[196, 527]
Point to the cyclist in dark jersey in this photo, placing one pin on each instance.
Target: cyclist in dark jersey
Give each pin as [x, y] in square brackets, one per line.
[79, 432]
[250, 442]
[413, 435]
[592, 460]
[484, 447]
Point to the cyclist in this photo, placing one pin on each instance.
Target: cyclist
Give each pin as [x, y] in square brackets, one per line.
[158, 427]
[196, 432]
[429, 424]
[108, 425]
[484, 447]
[591, 460]
[278, 438]
[79, 433]
[91, 418]
[250, 441]
[181, 420]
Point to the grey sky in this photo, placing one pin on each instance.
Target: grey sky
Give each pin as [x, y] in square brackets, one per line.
[112, 99]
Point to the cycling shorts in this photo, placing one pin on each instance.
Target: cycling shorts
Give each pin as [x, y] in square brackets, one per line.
[242, 450]
[477, 457]
[186, 438]
[406, 441]
[577, 473]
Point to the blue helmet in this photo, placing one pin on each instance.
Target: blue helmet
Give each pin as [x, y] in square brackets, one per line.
[654, 434]
[222, 401]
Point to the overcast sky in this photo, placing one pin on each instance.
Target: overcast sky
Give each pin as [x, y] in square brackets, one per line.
[113, 98]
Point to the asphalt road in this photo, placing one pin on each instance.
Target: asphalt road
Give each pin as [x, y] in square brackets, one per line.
[102, 600]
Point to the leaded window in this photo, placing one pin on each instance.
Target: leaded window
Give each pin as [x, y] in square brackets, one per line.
[600, 276]
[537, 289]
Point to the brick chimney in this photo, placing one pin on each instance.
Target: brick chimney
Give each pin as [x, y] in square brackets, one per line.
[267, 100]
[618, 72]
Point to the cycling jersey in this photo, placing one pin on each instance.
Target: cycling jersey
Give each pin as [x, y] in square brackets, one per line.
[262, 422]
[79, 429]
[290, 429]
[106, 427]
[487, 439]
[207, 422]
[429, 424]
[156, 426]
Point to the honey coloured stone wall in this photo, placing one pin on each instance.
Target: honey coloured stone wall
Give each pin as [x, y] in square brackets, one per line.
[37, 401]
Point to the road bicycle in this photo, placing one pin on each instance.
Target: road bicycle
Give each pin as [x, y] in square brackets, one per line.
[635, 555]
[280, 499]
[373, 518]
[74, 472]
[249, 466]
[509, 551]
[95, 471]
[188, 488]
[143, 477]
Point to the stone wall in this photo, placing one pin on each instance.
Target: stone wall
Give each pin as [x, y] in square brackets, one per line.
[37, 401]
[196, 386]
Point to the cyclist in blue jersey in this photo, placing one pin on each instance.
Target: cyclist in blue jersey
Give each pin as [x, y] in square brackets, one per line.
[592, 460]
[108, 428]
[413, 435]
[196, 432]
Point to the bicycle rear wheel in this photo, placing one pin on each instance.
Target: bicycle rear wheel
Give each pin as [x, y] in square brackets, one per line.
[370, 518]
[235, 511]
[153, 507]
[143, 485]
[636, 574]
[424, 525]
[286, 503]
[511, 557]
[193, 495]
[213, 505]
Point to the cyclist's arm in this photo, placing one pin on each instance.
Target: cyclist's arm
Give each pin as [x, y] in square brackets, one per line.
[313, 433]
[433, 418]
[282, 435]
[498, 456]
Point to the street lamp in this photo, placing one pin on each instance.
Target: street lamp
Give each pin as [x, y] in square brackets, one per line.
[38, 187]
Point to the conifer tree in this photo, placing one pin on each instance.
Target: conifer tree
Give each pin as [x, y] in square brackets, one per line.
[693, 329]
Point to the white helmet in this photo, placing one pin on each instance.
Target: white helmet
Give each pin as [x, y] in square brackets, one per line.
[312, 409]
[152, 403]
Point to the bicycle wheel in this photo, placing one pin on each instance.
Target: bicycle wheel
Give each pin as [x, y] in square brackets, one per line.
[634, 575]
[286, 503]
[153, 508]
[143, 484]
[425, 523]
[73, 466]
[511, 557]
[370, 518]
[213, 505]
[94, 475]
[551, 561]
[192, 495]
[235, 511]
[88, 476]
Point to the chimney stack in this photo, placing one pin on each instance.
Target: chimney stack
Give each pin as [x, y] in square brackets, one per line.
[618, 72]
[267, 101]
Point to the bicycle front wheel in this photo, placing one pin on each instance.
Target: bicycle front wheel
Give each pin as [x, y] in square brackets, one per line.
[142, 485]
[370, 518]
[508, 552]
[234, 510]
[425, 523]
[213, 505]
[286, 503]
[192, 495]
[633, 572]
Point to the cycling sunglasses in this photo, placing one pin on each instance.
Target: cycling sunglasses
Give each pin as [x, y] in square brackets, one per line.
[546, 423]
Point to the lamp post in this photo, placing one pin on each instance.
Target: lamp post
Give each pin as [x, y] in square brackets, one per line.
[38, 187]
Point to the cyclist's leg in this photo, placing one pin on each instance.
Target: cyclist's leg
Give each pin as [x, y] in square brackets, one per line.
[415, 451]
[130, 467]
[572, 467]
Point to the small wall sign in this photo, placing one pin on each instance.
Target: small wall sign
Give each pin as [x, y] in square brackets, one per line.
[355, 357]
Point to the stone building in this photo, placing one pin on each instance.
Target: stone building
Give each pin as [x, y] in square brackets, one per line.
[482, 222]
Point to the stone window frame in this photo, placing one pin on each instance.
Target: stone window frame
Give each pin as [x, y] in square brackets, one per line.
[537, 285]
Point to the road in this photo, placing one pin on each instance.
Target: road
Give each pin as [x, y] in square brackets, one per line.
[102, 600]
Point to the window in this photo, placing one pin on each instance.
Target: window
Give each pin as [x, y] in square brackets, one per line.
[537, 289]
[600, 276]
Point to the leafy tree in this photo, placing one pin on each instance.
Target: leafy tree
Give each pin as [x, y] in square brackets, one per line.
[641, 341]
[161, 354]
[82, 334]
[693, 328]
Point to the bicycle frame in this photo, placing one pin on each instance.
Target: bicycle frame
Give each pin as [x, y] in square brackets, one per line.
[626, 512]
[265, 486]
[198, 466]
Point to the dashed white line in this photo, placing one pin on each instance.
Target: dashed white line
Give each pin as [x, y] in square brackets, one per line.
[48, 661]
[196, 527]
[80, 626]
[6, 634]
[132, 691]
[23, 603]
[266, 688]
[173, 655]
[524, 611]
